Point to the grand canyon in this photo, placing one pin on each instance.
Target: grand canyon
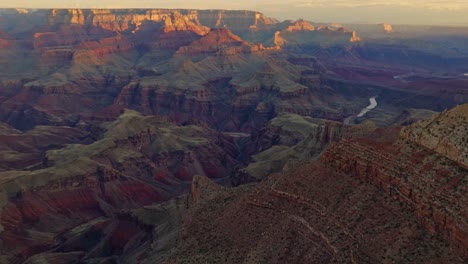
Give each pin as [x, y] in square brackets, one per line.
[224, 136]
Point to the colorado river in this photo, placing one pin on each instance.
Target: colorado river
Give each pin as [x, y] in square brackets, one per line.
[373, 104]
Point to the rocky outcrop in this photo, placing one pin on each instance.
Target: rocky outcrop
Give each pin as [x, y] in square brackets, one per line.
[293, 138]
[445, 134]
[387, 28]
[221, 42]
[293, 34]
[198, 21]
[417, 173]
[67, 36]
[128, 20]
[238, 21]
[362, 194]
[355, 38]
[310, 214]
[300, 25]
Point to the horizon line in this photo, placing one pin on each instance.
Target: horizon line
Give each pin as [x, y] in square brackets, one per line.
[222, 9]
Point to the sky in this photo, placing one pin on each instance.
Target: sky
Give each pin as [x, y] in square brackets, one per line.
[441, 12]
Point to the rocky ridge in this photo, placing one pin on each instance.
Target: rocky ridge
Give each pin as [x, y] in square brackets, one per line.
[381, 189]
[415, 171]
[303, 33]
[445, 134]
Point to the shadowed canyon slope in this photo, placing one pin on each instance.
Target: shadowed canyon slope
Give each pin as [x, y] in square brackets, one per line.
[386, 198]
[182, 136]
[136, 161]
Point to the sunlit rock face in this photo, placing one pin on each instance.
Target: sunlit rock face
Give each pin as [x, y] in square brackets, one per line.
[388, 28]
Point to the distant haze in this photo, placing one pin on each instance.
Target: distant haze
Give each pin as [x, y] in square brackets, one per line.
[441, 12]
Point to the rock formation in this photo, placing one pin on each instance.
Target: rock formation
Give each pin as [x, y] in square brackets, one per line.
[293, 138]
[303, 33]
[387, 28]
[353, 204]
[445, 134]
[354, 38]
[219, 42]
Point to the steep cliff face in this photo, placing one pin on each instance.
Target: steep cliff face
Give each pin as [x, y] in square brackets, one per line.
[310, 214]
[134, 20]
[355, 37]
[433, 190]
[288, 138]
[300, 25]
[290, 34]
[428, 179]
[445, 134]
[127, 20]
[240, 22]
[198, 21]
[67, 35]
[291, 138]
[372, 199]
[79, 33]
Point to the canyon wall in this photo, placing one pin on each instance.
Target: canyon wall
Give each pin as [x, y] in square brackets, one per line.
[415, 170]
